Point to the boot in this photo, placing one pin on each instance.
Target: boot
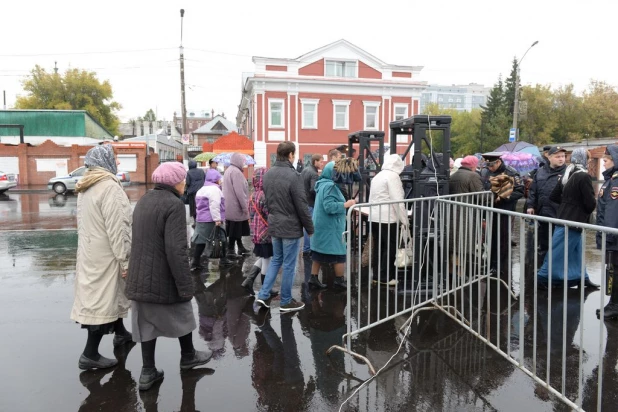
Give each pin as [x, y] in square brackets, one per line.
[242, 250]
[314, 282]
[149, 377]
[611, 309]
[231, 251]
[273, 292]
[340, 282]
[248, 283]
[196, 265]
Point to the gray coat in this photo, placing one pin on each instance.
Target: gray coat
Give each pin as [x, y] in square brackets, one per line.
[287, 205]
[159, 266]
[236, 190]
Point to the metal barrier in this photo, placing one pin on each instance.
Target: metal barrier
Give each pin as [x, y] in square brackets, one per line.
[416, 283]
[478, 265]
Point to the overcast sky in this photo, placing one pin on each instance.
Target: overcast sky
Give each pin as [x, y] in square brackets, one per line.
[134, 43]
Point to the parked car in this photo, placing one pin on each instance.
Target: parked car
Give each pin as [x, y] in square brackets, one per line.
[65, 184]
[7, 181]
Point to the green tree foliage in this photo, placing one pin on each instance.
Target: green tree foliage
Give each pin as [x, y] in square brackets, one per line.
[568, 115]
[600, 103]
[150, 116]
[539, 122]
[75, 90]
[509, 89]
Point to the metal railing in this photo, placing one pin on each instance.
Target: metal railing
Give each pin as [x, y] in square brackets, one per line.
[479, 265]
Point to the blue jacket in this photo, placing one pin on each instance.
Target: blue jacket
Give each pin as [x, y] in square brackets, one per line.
[328, 215]
[607, 203]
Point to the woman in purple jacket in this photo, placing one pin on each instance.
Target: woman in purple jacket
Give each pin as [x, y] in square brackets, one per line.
[210, 213]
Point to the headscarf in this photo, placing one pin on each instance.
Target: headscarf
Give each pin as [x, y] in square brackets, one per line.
[212, 177]
[327, 172]
[101, 156]
[579, 163]
[169, 173]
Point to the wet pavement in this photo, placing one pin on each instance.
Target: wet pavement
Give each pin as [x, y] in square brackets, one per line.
[268, 361]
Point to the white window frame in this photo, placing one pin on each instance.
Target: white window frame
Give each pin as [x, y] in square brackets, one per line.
[355, 63]
[376, 105]
[309, 102]
[345, 103]
[270, 118]
[400, 106]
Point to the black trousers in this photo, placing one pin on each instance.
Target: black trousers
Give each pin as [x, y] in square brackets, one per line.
[384, 251]
[191, 204]
[500, 244]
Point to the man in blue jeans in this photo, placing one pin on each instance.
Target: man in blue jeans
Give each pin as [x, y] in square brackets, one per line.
[288, 214]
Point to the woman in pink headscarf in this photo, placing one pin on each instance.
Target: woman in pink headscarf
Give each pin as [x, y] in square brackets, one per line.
[159, 284]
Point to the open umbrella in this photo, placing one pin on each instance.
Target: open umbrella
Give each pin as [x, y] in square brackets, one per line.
[519, 147]
[522, 162]
[224, 158]
[204, 157]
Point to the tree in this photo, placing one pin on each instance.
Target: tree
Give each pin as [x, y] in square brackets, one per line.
[600, 104]
[568, 115]
[509, 89]
[539, 123]
[75, 90]
[150, 116]
[495, 119]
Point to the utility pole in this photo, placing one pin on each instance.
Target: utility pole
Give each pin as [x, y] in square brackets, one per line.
[185, 151]
[516, 101]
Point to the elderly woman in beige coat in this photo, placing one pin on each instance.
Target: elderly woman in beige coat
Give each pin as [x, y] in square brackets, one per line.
[103, 249]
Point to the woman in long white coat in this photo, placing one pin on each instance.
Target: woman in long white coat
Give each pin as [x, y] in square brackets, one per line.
[103, 249]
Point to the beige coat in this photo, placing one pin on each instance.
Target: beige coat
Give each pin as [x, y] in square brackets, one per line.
[103, 249]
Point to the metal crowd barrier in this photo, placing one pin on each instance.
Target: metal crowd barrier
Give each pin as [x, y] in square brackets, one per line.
[478, 265]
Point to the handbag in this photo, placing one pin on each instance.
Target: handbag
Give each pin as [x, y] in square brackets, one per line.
[217, 242]
[405, 254]
[185, 197]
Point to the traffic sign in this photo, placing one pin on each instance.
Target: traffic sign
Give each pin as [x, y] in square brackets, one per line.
[186, 139]
[512, 134]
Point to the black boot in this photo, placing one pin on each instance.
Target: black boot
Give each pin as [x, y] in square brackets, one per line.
[242, 250]
[196, 265]
[273, 292]
[590, 284]
[340, 282]
[248, 283]
[314, 282]
[611, 309]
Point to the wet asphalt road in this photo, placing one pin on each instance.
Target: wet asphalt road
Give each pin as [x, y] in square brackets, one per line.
[264, 362]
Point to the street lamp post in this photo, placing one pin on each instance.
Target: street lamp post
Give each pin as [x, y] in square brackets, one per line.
[516, 101]
[185, 149]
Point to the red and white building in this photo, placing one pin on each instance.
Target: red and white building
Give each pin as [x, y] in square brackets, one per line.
[319, 98]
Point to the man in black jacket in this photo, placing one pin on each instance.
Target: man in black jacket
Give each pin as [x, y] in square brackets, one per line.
[505, 183]
[195, 181]
[539, 202]
[288, 215]
[309, 175]
[607, 215]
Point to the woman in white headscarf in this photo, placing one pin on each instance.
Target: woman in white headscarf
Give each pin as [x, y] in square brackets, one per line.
[103, 248]
[575, 194]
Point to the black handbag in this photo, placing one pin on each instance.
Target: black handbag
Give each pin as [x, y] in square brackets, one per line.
[217, 242]
[185, 198]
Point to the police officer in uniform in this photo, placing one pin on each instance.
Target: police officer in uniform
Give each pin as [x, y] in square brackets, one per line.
[607, 215]
[506, 184]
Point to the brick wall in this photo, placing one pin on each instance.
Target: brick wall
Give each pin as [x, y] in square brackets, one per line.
[28, 155]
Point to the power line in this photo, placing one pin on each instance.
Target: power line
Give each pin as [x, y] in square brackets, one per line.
[88, 52]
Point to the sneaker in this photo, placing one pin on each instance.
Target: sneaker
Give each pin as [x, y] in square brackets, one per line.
[293, 306]
[263, 303]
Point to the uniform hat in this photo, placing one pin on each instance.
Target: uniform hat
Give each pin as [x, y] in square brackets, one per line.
[556, 149]
[492, 156]
[546, 148]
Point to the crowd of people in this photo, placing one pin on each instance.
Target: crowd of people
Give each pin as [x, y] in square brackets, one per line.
[139, 259]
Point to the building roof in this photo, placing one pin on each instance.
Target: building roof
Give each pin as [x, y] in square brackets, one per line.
[218, 125]
[54, 123]
[233, 142]
[159, 138]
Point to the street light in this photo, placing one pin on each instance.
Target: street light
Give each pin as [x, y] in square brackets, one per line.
[185, 153]
[516, 102]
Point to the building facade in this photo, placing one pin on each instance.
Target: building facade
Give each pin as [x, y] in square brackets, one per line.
[319, 98]
[459, 97]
